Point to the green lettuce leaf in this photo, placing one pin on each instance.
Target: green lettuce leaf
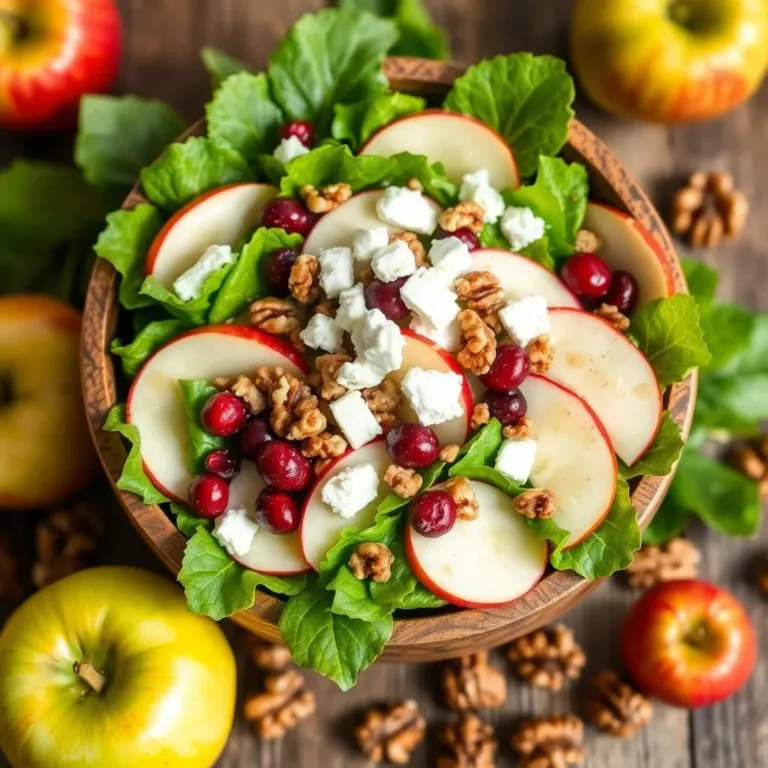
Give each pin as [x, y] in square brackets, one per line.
[702, 280]
[727, 332]
[352, 598]
[201, 442]
[147, 341]
[480, 449]
[220, 65]
[661, 456]
[668, 523]
[493, 477]
[187, 521]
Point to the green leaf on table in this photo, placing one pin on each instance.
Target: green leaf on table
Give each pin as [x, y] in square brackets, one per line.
[220, 65]
[352, 597]
[668, 522]
[702, 280]
[727, 332]
[147, 341]
[527, 99]
[659, 459]
[187, 521]
[195, 394]
[480, 449]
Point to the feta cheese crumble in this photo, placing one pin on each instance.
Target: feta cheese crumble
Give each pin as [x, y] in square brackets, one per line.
[477, 188]
[336, 270]
[521, 226]
[359, 375]
[434, 395]
[323, 332]
[448, 338]
[382, 342]
[235, 531]
[525, 319]
[515, 459]
[355, 420]
[450, 259]
[351, 490]
[393, 261]
[189, 285]
[365, 242]
[289, 149]
[408, 209]
[425, 294]
[352, 307]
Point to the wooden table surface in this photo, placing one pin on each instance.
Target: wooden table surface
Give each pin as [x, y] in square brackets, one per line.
[163, 38]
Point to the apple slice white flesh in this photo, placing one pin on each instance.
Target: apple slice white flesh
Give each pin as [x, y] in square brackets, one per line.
[601, 365]
[321, 527]
[574, 456]
[220, 217]
[520, 276]
[461, 143]
[628, 245]
[338, 227]
[480, 563]
[155, 405]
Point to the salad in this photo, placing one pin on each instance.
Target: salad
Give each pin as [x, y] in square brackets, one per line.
[387, 355]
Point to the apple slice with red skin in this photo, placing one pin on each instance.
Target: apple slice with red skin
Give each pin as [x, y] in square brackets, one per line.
[463, 144]
[155, 404]
[480, 563]
[574, 456]
[223, 216]
[603, 366]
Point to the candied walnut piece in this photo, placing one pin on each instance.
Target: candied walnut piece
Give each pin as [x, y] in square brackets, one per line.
[547, 657]
[617, 707]
[253, 397]
[11, 584]
[482, 292]
[271, 657]
[549, 742]
[536, 503]
[325, 307]
[612, 316]
[411, 239]
[391, 734]
[415, 185]
[384, 402]
[406, 483]
[588, 241]
[463, 495]
[323, 446]
[372, 560]
[468, 215]
[303, 281]
[523, 430]
[282, 705]
[479, 343]
[328, 369]
[449, 453]
[541, 353]
[265, 378]
[326, 198]
[278, 316]
[295, 413]
[468, 743]
[677, 559]
[470, 682]
[481, 415]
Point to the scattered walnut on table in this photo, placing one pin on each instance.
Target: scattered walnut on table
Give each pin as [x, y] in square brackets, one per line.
[541, 353]
[613, 317]
[547, 657]
[405, 482]
[617, 707]
[391, 734]
[303, 282]
[677, 559]
[537, 503]
[467, 215]
[372, 560]
[281, 706]
[523, 430]
[479, 343]
[470, 682]
[271, 657]
[468, 743]
[411, 239]
[549, 742]
[463, 495]
[326, 198]
[324, 377]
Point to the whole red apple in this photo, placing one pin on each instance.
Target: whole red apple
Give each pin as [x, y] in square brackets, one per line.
[51, 53]
[672, 61]
[688, 643]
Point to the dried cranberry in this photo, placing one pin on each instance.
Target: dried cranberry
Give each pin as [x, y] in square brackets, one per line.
[433, 513]
[209, 495]
[412, 445]
[586, 274]
[283, 467]
[386, 297]
[223, 464]
[623, 292]
[277, 511]
[467, 236]
[288, 214]
[256, 433]
[509, 369]
[507, 407]
[223, 414]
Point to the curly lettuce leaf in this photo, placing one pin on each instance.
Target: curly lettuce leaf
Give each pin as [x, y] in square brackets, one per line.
[200, 442]
[220, 65]
[187, 521]
[480, 449]
[659, 459]
[147, 341]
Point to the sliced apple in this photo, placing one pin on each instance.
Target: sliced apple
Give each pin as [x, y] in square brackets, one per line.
[461, 143]
[155, 404]
[223, 216]
[630, 246]
[574, 456]
[480, 563]
[321, 527]
[601, 365]
[520, 276]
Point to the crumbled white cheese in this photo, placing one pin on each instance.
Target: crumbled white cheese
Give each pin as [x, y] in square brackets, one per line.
[393, 261]
[352, 307]
[355, 420]
[449, 338]
[235, 531]
[323, 332]
[366, 242]
[450, 258]
[381, 341]
[336, 270]
[189, 285]
[435, 396]
[515, 459]
[351, 490]
[426, 294]
[408, 209]
[359, 375]
[477, 187]
[289, 149]
[525, 319]
[521, 226]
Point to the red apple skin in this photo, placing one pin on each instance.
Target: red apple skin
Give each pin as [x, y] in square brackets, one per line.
[688, 643]
[74, 49]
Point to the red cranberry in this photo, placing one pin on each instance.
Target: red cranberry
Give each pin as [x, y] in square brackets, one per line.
[433, 514]
[507, 407]
[256, 433]
[467, 236]
[386, 297]
[283, 467]
[279, 270]
[303, 130]
[623, 292]
[509, 369]
[288, 214]
[209, 495]
[223, 414]
[276, 511]
[412, 445]
[222, 464]
[586, 274]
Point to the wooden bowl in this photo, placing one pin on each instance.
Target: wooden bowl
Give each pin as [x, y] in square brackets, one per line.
[431, 635]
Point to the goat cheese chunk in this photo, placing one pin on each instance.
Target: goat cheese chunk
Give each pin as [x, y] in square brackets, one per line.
[359, 375]
[365, 242]
[393, 261]
[235, 531]
[521, 226]
[323, 332]
[352, 307]
[190, 284]
[351, 490]
[525, 319]
[426, 294]
[449, 338]
[407, 209]
[435, 396]
[381, 342]
[450, 259]
[515, 459]
[355, 420]
[477, 188]
[336, 270]
[289, 149]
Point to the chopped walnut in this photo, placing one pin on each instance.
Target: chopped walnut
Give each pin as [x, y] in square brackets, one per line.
[549, 742]
[481, 415]
[482, 292]
[612, 316]
[617, 707]
[547, 657]
[541, 353]
[463, 495]
[325, 199]
[384, 402]
[253, 397]
[411, 239]
[328, 369]
[372, 560]
[405, 482]
[325, 307]
[449, 453]
[295, 413]
[536, 503]
[588, 241]
[760, 572]
[677, 559]
[266, 378]
[280, 706]
[11, 583]
[365, 275]
[278, 316]
[303, 281]
[468, 215]
[415, 185]
[469, 743]
[323, 446]
[523, 430]
[271, 657]
[391, 734]
[470, 682]
[479, 343]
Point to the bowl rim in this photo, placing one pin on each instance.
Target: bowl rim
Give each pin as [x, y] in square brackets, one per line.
[424, 636]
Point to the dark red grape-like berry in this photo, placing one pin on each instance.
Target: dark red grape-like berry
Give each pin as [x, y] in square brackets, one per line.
[222, 464]
[586, 274]
[467, 236]
[386, 297]
[507, 407]
[279, 270]
[256, 433]
[283, 467]
[209, 495]
[412, 445]
[288, 214]
[303, 130]
[223, 414]
[509, 369]
[433, 513]
[277, 511]
[623, 292]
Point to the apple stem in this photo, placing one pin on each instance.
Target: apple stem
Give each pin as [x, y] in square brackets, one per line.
[88, 674]
[16, 28]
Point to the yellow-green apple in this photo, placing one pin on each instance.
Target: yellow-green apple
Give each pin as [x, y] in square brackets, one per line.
[688, 643]
[109, 668]
[51, 53]
[43, 432]
[669, 61]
